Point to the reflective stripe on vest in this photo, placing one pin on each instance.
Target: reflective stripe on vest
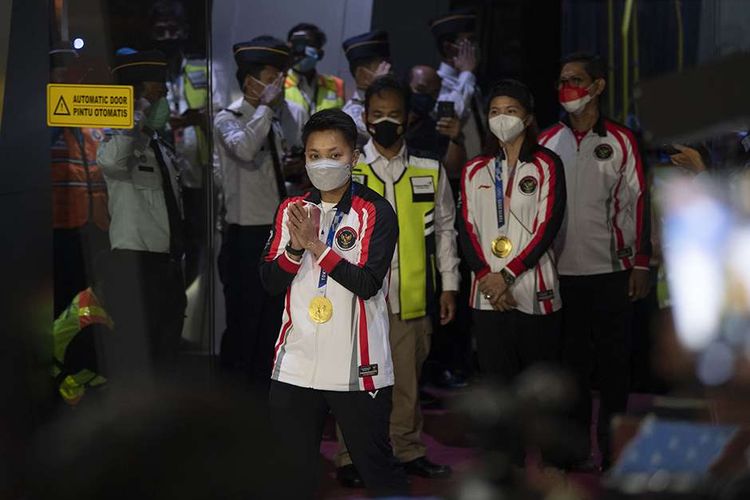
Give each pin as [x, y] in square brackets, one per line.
[79, 193]
[415, 210]
[83, 311]
[195, 83]
[329, 93]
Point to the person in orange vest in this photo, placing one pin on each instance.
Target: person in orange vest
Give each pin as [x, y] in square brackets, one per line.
[80, 218]
[304, 86]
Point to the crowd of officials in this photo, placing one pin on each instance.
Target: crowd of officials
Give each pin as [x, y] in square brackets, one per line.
[351, 230]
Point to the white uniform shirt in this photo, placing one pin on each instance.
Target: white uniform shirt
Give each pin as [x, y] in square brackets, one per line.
[138, 210]
[247, 170]
[534, 196]
[445, 217]
[460, 89]
[355, 107]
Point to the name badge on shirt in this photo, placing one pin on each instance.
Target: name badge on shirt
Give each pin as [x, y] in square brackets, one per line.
[360, 178]
[422, 189]
[368, 370]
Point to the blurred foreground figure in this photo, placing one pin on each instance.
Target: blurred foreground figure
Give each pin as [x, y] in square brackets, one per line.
[160, 444]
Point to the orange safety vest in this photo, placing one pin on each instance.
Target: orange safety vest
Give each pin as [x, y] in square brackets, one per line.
[79, 193]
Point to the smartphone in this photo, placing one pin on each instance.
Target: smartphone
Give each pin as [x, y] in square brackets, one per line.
[446, 109]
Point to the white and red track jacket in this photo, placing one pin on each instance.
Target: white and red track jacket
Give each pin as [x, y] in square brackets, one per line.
[607, 222]
[536, 208]
[351, 352]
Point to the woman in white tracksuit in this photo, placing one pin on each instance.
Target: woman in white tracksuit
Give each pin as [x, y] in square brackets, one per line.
[512, 206]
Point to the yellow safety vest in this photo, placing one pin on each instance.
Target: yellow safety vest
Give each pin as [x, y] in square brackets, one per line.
[329, 93]
[195, 85]
[85, 310]
[415, 208]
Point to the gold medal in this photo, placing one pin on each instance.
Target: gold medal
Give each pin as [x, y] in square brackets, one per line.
[501, 246]
[320, 310]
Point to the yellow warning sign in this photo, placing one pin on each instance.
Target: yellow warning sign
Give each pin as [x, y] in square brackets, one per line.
[96, 106]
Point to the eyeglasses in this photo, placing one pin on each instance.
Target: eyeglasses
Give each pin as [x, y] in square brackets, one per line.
[575, 81]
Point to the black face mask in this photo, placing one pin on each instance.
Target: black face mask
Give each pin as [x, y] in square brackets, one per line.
[422, 104]
[386, 133]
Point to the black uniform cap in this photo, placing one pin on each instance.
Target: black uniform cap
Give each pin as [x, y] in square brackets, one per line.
[146, 66]
[262, 50]
[458, 21]
[367, 45]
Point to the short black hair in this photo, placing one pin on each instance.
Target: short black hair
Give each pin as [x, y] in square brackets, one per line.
[515, 89]
[248, 69]
[593, 64]
[319, 37]
[331, 119]
[363, 61]
[387, 83]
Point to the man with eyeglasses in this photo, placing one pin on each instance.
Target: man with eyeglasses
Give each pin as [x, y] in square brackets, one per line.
[604, 245]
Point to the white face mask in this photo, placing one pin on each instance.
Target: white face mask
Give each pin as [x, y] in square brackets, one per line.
[506, 127]
[327, 175]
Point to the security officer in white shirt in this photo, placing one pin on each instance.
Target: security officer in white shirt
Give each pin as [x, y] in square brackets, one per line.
[369, 57]
[456, 41]
[146, 291]
[418, 189]
[250, 138]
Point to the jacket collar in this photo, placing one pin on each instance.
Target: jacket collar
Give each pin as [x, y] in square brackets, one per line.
[599, 128]
[344, 204]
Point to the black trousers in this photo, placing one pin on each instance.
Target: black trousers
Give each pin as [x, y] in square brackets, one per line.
[253, 316]
[194, 203]
[298, 415]
[74, 251]
[144, 293]
[510, 342]
[597, 316]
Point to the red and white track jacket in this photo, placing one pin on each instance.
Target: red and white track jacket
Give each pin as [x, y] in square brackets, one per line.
[607, 222]
[350, 352]
[536, 209]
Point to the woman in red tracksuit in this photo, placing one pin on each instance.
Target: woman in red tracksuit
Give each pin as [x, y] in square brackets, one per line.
[512, 206]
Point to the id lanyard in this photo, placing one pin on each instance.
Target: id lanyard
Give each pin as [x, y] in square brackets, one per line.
[500, 193]
[323, 280]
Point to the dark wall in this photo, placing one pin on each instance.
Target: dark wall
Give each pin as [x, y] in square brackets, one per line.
[407, 25]
[26, 250]
[518, 38]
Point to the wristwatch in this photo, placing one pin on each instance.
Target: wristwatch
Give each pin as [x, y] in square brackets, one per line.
[508, 277]
[294, 251]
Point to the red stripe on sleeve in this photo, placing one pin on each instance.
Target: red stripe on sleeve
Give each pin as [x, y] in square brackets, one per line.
[284, 329]
[516, 266]
[473, 237]
[548, 134]
[288, 264]
[640, 260]
[364, 347]
[365, 210]
[330, 260]
[620, 240]
[278, 229]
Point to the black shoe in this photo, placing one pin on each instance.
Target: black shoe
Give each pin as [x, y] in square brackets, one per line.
[424, 468]
[348, 476]
[451, 380]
